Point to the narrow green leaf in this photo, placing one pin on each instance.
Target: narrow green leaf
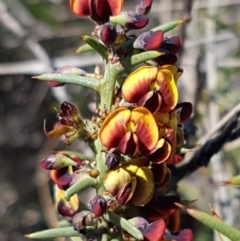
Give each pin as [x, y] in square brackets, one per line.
[83, 49]
[76, 239]
[53, 233]
[64, 223]
[124, 224]
[96, 45]
[234, 181]
[136, 59]
[169, 26]
[77, 154]
[84, 183]
[221, 236]
[210, 221]
[69, 79]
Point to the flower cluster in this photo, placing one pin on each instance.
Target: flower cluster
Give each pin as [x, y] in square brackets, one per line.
[136, 134]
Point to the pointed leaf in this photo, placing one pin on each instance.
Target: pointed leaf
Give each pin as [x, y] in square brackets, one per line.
[96, 45]
[124, 224]
[136, 59]
[84, 183]
[169, 26]
[53, 233]
[83, 49]
[69, 79]
[76, 239]
[234, 181]
[215, 215]
[210, 221]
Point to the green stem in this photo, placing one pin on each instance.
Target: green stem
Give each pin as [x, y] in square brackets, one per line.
[107, 86]
[70, 79]
[84, 183]
[101, 167]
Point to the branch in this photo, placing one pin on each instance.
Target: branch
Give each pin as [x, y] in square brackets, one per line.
[203, 156]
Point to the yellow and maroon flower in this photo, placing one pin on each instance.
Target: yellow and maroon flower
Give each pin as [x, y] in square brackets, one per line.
[133, 182]
[153, 87]
[70, 126]
[132, 132]
[64, 207]
[98, 10]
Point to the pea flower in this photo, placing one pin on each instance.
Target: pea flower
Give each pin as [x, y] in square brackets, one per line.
[153, 88]
[98, 10]
[64, 207]
[133, 182]
[70, 126]
[132, 132]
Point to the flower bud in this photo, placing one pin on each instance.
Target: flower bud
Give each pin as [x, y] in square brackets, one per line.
[130, 20]
[172, 44]
[113, 159]
[149, 40]
[144, 7]
[108, 34]
[83, 219]
[57, 161]
[98, 206]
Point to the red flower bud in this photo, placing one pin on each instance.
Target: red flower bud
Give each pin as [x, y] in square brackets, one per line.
[64, 209]
[57, 161]
[98, 206]
[133, 20]
[144, 7]
[108, 34]
[112, 159]
[149, 40]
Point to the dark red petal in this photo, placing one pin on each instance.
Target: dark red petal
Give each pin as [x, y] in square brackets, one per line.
[152, 101]
[186, 110]
[98, 205]
[62, 177]
[144, 7]
[154, 231]
[129, 144]
[138, 21]
[108, 34]
[154, 40]
[173, 44]
[183, 235]
[65, 209]
[115, 6]
[80, 7]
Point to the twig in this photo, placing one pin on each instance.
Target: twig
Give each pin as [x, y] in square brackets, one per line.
[35, 67]
[203, 155]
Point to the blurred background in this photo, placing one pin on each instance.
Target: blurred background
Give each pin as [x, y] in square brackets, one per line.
[40, 36]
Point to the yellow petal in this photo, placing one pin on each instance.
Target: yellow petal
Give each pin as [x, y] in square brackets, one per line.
[145, 187]
[147, 129]
[113, 127]
[138, 83]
